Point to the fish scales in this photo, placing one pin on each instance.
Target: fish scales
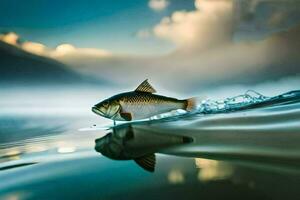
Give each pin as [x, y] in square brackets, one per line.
[140, 104]
[144, 105]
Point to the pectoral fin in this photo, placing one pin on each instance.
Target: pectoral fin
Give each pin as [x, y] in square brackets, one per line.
[147, 162]
[126, 116]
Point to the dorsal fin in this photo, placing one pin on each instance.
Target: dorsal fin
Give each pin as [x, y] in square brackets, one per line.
[145, 87]
[147, 162]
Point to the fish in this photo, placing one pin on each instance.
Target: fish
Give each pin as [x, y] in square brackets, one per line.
[128, 143]
[139, 104]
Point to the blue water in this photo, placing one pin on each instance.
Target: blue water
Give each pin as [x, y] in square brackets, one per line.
[241, 147]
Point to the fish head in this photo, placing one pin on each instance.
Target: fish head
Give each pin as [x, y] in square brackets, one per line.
[111, 147]
[114, 144]
[108, 108]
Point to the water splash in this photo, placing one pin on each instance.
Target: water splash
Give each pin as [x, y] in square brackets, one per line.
[233, 103]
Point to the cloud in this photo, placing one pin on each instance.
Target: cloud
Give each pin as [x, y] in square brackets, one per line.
[158, 5]
[266, 14]
[61, 52]
[252, 5]
[209, 25]
[68, 51]
[35, 48]
[10, 38]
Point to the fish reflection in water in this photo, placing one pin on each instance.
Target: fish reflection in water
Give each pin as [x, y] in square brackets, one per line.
[125, 144]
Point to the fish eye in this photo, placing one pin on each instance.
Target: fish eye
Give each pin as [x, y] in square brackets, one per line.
[106, 104]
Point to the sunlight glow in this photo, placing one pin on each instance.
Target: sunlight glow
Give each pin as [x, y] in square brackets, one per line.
[175, 176]
[66, 149]
[35, 148]
[13, 154]
[210, 170]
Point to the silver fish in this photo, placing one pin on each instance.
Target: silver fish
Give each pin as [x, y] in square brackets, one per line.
[140, 104]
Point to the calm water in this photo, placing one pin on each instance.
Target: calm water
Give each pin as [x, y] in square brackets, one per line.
[242, 147]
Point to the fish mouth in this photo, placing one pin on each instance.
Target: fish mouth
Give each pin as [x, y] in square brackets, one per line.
[97, 111]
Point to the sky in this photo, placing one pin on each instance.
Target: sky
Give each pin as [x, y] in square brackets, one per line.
[112, 25]
[193, 43]
[116, 25]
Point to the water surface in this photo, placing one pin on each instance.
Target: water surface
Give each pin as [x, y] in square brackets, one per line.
[244, 147]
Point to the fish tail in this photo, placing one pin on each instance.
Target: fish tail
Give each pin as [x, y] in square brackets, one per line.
[191, 104]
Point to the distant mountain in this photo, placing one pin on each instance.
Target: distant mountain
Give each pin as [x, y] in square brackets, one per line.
[21, 67]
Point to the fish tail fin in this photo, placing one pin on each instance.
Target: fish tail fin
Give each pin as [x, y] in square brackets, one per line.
[191, 104]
